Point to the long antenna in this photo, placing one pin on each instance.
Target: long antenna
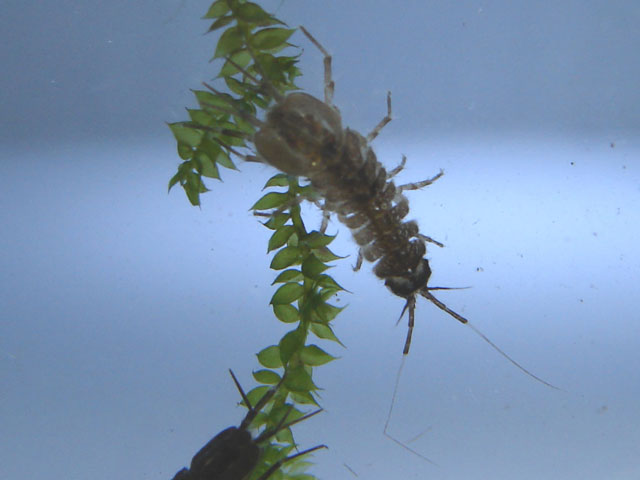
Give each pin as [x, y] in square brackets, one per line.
[386, 424]
[426, 294]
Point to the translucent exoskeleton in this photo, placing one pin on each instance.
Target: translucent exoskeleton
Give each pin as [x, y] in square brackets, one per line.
[304, 136]
[233, 453]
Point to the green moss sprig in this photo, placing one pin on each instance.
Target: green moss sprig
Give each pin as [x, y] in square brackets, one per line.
[251, 48]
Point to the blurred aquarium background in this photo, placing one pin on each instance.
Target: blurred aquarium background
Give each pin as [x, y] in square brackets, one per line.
[122, 307]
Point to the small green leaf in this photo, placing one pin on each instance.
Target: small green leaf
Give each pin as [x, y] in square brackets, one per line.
[325, 281]
[291, 275]
[270, 200]
[286, 313]
[285, 436]
[224, 160]
[286, 257]
[238, 87]
[251, 13]
[316, 239]
[312, 267]
[271, 70]
[315, 356]
[175, 180]
[205, 165]
[200, 117]
[287, 293]
[303, 398]
[298, 468]
[186, 135]
[293, 240]
[288, 66]
[185, 151]
[299, 380]
[325, 255]
[278, 180]
[217, 9]
[280, 237]
[208, 98]
[277, 220]
[244, 126]
[324, 331]
[326, 312]
[327, 293]
[220, 22]
[193, 196]
[278, 412]
[268, 377]
[241, 58]
[269, 38]
[230, 41]
[270, 357]
[209, 148]
[194, 181]
[291, 343]
[255, 394]
[270, 455]
[303, 476]
[261, 102]
[230, 132]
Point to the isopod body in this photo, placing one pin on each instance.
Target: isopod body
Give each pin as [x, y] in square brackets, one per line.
[302, 135]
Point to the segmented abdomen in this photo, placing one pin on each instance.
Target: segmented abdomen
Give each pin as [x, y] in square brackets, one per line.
[344, 170]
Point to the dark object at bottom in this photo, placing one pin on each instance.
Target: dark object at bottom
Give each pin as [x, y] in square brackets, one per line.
[233, 454]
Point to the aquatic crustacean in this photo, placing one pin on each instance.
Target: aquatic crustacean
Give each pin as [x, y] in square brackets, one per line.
[304, 136]
[233, 453]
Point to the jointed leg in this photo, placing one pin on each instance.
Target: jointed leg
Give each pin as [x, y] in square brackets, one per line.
[326, 215]
[328, 81]
[376, 130]
[419, 185]
[430, 240]
[398, 169]
[359, 260]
